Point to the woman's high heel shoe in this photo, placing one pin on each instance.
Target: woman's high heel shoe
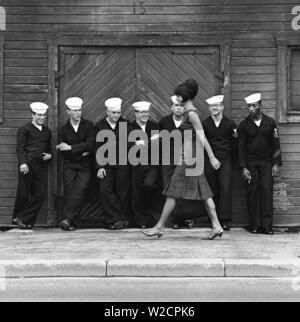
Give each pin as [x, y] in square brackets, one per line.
[153, 233]
[216, 234]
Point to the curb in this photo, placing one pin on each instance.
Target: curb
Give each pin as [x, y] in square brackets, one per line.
[262, 268]
[166, 268]
[53, 268]
[181, 268]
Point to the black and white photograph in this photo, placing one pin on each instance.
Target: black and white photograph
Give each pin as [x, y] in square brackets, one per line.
[149, 154]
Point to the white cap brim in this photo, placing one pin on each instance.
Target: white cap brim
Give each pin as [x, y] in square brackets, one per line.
[39, 108]
[174, 99]
[142, 106]
[215, 100]
[74, 103]
[252, 99]
[114, 104]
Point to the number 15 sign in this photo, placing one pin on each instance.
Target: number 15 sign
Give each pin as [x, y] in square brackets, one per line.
[139, 8]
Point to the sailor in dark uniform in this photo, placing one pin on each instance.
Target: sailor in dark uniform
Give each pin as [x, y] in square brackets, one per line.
[172, 123]
[76, 143]
[221, 133]
[34, 153]
[259, 158]
[144, 176]
[114, 176]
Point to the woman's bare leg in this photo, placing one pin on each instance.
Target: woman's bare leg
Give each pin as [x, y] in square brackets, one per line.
[159, 227]
[211, 210]
[167, 212]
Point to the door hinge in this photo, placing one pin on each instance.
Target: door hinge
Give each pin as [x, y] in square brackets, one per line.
[221, 76]
[58, 75]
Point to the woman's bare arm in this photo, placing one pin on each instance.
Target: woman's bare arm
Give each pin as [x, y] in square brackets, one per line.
[196, 122]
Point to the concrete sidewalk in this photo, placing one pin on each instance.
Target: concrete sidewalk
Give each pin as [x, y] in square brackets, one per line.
[180, 253]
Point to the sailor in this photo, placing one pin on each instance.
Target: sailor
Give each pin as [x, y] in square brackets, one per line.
[76, 142]
[34, 154]
[259, 159]
[114, 176]
[172, 123]
[144, 176]
[221, 133]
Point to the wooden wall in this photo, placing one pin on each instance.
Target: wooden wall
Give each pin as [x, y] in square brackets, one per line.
[295, 80]
[252, 24]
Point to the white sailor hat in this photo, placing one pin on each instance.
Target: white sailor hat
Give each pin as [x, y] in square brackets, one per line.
[252, 99]
[113, 104]
[74, 103]
[39, 108]
[142, 106]
[215, 100]
[174, 99]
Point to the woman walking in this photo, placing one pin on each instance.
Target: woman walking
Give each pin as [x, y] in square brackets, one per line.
[183, 184]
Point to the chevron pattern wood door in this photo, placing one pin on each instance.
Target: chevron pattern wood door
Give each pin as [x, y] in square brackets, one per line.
[162, 69]
[95, 75]
[151, 74]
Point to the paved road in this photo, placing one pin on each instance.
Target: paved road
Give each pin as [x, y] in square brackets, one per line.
[150, 289]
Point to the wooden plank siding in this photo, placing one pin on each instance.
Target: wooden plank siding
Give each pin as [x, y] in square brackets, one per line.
[252, 26]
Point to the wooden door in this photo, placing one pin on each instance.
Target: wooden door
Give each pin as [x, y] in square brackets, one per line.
[151, 74]
[162, 69]
[95, 74]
